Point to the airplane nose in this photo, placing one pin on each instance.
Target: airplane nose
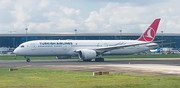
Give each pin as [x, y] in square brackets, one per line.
[15, 51]
[19, 51]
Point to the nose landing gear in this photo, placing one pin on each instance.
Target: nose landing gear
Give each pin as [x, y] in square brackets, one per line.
[27, 59]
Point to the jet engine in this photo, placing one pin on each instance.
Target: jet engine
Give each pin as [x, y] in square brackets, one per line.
[86, 54]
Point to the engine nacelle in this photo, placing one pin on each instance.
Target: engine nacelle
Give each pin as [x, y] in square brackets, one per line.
[63, 57]
[86, 54]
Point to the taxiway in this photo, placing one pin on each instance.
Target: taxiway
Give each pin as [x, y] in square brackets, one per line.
[144, 66]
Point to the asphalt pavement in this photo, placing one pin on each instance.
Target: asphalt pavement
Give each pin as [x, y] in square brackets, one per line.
[170, 66]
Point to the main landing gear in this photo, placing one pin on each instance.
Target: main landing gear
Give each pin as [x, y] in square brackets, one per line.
[89, 60]
[27, 59]
[96, 60]
[100, 59]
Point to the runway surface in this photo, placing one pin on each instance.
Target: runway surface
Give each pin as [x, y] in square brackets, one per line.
[143, 66]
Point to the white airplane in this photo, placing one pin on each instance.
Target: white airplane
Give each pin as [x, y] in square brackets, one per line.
[156, 50]
[87, 50]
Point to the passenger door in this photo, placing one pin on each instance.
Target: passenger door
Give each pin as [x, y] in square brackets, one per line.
[33, 46]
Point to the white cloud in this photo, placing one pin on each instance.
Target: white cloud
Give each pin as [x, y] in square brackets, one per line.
[64, 20]
[44, 3]
[65, 16]
[3, 3]
[171, 23]
[70, 11]
[132, 18]
[114, 17]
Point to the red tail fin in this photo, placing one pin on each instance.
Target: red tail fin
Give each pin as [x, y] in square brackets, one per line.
[150, 33]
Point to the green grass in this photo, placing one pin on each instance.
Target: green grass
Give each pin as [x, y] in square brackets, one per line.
[43, 78]
[106, 57]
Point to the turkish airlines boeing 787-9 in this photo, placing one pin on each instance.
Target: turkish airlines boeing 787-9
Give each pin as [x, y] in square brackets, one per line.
[87, 50]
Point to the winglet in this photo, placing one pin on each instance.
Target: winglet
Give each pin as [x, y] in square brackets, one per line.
[150, 33]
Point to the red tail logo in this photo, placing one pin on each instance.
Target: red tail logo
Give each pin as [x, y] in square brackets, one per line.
[150, 33]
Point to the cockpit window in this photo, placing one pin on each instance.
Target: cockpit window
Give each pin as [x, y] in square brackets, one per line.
[22, 46]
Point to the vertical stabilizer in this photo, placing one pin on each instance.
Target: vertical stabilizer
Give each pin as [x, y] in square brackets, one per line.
[150, 33]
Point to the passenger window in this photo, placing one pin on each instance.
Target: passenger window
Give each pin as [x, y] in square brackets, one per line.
[22, 46]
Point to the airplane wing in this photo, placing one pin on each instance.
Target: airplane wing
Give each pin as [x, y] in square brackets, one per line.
[106, 49]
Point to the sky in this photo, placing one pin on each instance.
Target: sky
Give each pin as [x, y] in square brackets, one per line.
[88, 16]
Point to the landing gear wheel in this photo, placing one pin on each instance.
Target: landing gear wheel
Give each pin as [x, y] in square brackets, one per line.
[87, 60]
[102, 59]
[99, 59]
[28, 60]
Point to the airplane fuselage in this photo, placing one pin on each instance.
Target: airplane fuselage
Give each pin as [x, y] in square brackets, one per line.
[68, 47]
